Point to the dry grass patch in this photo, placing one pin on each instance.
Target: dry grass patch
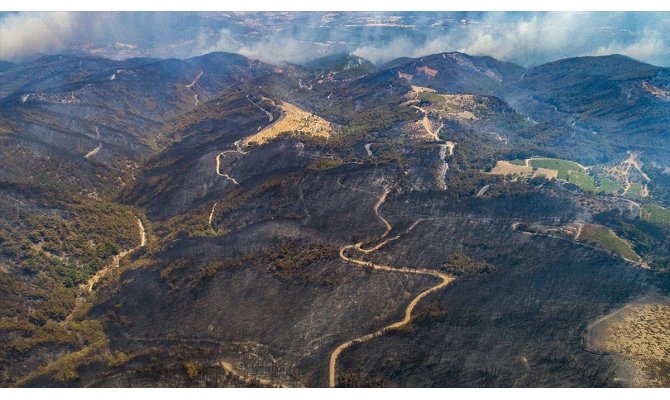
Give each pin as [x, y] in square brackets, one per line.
[293, 121]
[640, 333]
[507, 168]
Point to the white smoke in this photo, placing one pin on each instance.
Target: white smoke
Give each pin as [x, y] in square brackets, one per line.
[34, 33]
[525, 38]
[537, 38]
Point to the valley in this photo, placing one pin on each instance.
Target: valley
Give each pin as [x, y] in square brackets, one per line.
[441, 221]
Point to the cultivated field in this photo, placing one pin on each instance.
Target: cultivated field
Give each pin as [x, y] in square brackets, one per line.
[605, 239]
[656, 214]
[564, 167]
[570, 171]
[507, 168]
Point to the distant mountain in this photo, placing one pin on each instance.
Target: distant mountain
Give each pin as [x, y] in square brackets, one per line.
[621, 99]
[340, 66]
[455, 72]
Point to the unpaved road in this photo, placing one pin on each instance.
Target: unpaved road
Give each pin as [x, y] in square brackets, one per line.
[88, 286]
[367, 149]
[444, 145]
[444, 281]
[239, 150]
[482, 191]
[211, 215]
[269, 114]
[190, 86]
[238, 147]
[197, 78]
[97, 149]
[117, 258]
[94, 151]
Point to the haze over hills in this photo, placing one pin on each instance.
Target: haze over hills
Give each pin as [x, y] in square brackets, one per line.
[445, 220]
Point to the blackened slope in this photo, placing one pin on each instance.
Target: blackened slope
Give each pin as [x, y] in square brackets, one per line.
[457, 72]
[63, 108]
[611, 95]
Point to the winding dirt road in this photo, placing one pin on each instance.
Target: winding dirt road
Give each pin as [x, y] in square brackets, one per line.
[444, 145]
[88, 286]
[117, 258]
[269, 114]
[367, 149]
[239, 150]
[190, 86]
[197, 78]
[444, 281]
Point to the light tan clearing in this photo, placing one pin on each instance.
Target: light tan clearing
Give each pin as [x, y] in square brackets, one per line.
[456, 106]
[507, 168]
[420, 89]
[622, 173]
[451, 146]
[578, 233]
[435, 135]
[641, 333]
[292, 119]
[407, 77]
[428, 71]
[656, 91]
[444, 281]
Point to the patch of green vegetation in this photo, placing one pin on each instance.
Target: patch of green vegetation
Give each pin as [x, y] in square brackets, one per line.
[462, 264]
[583, 181]
[518, 162]
[324, 163]
[606, 239]
[655, 214]
[564, 167]
[609, 186]
[192, 370]
[635, 190]
[433, 98]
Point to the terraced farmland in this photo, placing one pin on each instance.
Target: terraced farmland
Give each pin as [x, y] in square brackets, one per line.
[605, 239]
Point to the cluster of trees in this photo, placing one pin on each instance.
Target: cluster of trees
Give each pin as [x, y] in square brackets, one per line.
[461, 264]
[290, 259]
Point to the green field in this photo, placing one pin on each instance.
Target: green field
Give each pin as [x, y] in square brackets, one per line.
[605, 239]
[433, 98]
[635, 190]
[563, 167]
[574, 173]
[609, 186]
[656, 214]
[583, 181]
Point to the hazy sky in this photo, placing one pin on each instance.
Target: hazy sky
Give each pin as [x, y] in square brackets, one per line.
[525, 38]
